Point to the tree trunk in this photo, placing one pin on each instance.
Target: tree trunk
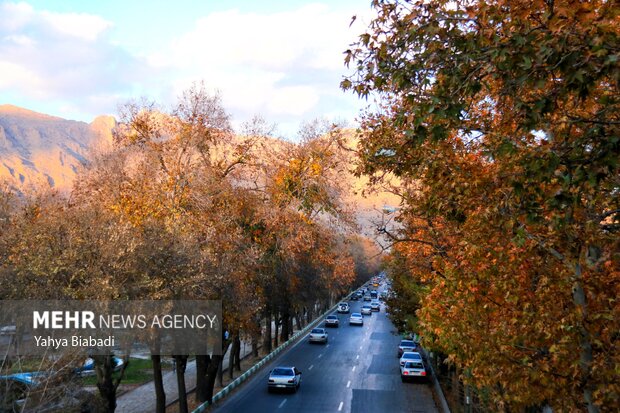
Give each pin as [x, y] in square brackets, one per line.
[160, 393]
[238, 353]
[267, 338]
[277, 326]
[285, 326]
[181, 363]
[585, 342]
[104, 367]
[202, 364]
[231, 356]
[220, 372]
[212, 369]
[255, 340]
[299, 321]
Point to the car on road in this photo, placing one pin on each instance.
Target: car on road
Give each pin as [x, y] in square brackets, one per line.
[318, 335]
[356, 319]
[354, 297]
[367, 298]
[412, 370]
[406, 345]
[366, 310]
[343, 308]
[284, 378]
[332, 321]
[375, 306]
[409, 356]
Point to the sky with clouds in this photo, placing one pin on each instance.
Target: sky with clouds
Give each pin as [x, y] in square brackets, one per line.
[280, 59]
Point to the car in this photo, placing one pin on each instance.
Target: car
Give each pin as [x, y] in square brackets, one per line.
[367, 298]
[318, 335]
[373, 295]
[413, 369]
[332, 321]
[343, 308]
[406, 345]
[360, 294]
[375, 306]
[356, 319]
[88, 368]
[354, 297]
[366, 310]
[284, 378]
[409, 356]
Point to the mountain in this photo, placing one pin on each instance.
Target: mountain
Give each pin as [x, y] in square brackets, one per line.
[38, 149]
[42, 150]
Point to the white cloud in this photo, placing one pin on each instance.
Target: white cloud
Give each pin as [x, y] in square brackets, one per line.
[83, 26]
[285, 65]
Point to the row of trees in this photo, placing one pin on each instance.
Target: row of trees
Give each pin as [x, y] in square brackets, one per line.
[501, 119]
[182, 208]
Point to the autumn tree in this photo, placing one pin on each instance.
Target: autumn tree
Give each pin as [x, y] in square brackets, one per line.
[502, 118]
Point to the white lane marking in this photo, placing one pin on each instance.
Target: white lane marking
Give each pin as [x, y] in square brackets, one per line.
[340, 406]
[360, 347]
[327, 346]
[353, 368]
[357, 357]
[282, 403]
[320, 355]
[348, 384]
[310, 368]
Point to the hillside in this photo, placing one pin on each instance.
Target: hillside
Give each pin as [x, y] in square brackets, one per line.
[42, 150]
[38, 149]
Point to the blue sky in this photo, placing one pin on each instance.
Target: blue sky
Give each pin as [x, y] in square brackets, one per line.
[280, 59]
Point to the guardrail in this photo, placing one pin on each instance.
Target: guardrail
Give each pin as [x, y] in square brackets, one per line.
[226, 390]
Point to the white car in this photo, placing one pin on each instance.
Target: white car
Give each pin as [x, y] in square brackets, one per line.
[366, 310]
[409, 356]
[356, 319]
[332, 321]
[284, 378]
[343, 308]
[412, 370]
[375, 306]
[318, 335]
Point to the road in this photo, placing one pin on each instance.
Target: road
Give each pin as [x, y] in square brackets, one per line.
[357, 371]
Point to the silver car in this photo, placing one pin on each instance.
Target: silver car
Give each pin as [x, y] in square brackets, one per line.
[356, 319]
[409, 356]
[318, 335]
[284, 378]
[366, 310]
[375, 306]
[413, 370]
[332, 321]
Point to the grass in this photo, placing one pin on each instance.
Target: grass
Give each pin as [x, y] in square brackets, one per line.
[138, 371]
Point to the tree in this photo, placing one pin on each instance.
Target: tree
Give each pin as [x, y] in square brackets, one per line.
[502, 118]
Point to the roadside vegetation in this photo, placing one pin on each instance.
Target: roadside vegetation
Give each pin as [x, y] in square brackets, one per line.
[183, 208]
[501, 121]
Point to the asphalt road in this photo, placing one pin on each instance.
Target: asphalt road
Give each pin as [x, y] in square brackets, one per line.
[357, 371]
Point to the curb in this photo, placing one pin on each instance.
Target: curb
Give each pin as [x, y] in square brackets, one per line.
[442, 399]
[226, 390]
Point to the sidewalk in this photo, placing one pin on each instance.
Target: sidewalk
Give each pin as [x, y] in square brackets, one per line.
[142, 399]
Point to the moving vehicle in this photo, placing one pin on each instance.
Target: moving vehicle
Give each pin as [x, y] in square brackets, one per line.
[332, 321]
[367, 298]
[413, 370]
[373, 295]
[284, 378]
[318, 335]
[343, 308]
[406, 345]
[409, 356]
[356, 319]
[366, 310]
[375, 306]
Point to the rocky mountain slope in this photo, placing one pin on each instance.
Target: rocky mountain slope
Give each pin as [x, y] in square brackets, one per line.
[38, 149]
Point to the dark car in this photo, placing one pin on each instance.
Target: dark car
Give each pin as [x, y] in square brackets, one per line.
[406, 345]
